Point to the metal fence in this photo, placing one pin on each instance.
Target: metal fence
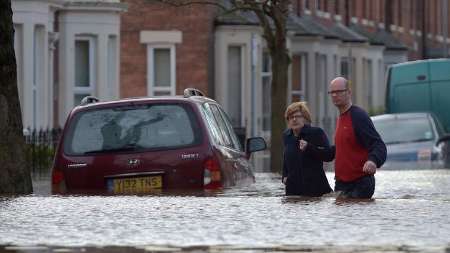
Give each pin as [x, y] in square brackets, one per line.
[40, 148]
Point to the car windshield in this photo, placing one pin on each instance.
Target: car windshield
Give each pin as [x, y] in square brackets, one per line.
[130, 128]
[402, 130]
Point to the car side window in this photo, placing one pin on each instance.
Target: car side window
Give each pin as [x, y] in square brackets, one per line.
[223, 127]
[438, 124]
[213, 127]
[234, 138]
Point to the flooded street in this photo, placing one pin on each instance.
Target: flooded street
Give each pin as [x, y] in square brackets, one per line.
[410, 213]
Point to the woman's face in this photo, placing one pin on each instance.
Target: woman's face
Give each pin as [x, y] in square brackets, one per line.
[296, 121]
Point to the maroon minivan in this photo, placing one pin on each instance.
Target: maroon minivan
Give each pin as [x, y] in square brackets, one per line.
[144, 145]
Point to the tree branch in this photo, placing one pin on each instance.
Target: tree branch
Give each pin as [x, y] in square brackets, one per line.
[259, 9]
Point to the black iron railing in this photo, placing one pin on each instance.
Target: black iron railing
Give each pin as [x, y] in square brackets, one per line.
[40, 149]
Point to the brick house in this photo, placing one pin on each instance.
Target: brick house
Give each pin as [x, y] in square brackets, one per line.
[109, 48]
[166, 49]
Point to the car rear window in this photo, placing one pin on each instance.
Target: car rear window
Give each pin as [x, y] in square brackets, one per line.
[132, 128]
[402, 130]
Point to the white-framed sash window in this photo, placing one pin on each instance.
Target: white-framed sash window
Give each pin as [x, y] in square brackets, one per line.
[161, 70]
[235, 81]
[266, 81]
[38, 74]
[299, 77]
[84, 68]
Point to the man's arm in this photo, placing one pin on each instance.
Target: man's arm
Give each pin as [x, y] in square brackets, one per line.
[368, 137]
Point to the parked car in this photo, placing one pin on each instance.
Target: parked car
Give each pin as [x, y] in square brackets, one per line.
[413, 140]
[140, 145]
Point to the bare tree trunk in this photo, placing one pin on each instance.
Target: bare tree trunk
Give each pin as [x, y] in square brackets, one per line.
[279, 91]
[272, 16]
[280, 57]
[15, 177]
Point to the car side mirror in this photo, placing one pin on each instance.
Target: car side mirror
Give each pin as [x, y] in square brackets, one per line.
[443, 139]
[255, 144]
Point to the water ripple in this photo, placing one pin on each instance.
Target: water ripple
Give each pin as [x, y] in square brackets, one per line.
[410, 208]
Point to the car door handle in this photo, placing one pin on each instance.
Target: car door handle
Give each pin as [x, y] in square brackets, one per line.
[421, 77]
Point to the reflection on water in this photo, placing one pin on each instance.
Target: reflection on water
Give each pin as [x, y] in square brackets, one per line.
[410, 212]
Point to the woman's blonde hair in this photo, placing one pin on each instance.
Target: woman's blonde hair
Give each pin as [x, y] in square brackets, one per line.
[298, 107]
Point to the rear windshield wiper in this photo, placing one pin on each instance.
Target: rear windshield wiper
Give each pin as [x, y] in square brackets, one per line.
[421, 140]
[395, 142]
[128, 147]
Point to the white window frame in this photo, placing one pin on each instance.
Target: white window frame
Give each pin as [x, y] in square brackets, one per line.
[92, 77]
[151, 88]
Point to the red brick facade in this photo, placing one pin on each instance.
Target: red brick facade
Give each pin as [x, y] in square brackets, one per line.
[194, 55]
[409, 18]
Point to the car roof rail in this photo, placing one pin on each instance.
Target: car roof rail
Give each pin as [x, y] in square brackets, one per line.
[189, 92]
[88, 100]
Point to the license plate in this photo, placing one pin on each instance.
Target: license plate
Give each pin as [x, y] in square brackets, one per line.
[136, 184]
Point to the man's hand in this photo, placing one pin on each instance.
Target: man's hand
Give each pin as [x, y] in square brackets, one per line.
[302, 144]
[284, 180]
[369, 167]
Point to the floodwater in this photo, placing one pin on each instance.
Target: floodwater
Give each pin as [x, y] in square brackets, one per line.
[410, 212]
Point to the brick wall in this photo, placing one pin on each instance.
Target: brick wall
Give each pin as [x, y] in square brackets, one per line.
[406, 14]
[194, 56]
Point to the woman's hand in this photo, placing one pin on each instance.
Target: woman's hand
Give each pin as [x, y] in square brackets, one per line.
[302, 144]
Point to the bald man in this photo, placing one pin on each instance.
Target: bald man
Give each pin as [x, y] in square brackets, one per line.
[359, 149]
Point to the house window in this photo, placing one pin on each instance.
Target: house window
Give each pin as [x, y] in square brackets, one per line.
[345, 67]
[298, 77]
[365, 10]
[353, 8]
[413, 16]
[84, 68]
[337, 8]
[235, 85]
[38, 73]
[112, 83]
[368, 75]
[161, 70]
[348, 70]
[321, 86]
[399, 13]
[266, 91]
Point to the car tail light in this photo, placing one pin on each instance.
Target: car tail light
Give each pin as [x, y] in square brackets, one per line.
[424, 155]
[212, 176]
[58, 181]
